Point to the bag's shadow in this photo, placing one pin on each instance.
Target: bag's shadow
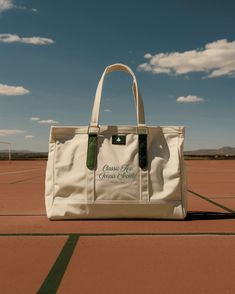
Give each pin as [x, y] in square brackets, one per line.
[191, 216]
[208, 215]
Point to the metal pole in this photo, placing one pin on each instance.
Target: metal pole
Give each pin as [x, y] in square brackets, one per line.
[9, 148]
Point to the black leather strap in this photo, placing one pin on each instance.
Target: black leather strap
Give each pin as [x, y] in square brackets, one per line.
[92, 151]
[143, 156]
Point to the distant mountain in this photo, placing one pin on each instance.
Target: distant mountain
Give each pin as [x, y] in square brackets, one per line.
[17, 151]
[224, 151]
[22, 154]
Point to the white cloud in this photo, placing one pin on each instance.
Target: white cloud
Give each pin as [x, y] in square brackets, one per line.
[43, 121]
[189, 99]
[34, 118]
[12, 38]
[6, 5]
[148, 55]
[215, 59]
[29, 136]
[10, 132]
[37, 41]
[107, 110]
[48, 121]
[9, 4]
[12, 90]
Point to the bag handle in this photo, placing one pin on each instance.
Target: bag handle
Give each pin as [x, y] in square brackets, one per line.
[138, 99]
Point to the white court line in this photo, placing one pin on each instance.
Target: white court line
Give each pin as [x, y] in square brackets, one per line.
[21, 171]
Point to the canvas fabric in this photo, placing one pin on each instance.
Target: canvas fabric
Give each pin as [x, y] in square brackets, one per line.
[116, 171]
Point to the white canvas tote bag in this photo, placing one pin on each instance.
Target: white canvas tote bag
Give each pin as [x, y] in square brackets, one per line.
[116, 171]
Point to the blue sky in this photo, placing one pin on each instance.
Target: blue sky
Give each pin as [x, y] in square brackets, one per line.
[53, 53]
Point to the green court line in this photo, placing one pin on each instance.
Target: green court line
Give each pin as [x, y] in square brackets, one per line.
[213, 202]
[77, 235]
[54, 277]
[23, 180]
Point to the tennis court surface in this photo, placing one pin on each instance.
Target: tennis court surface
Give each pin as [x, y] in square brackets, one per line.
[118, 256]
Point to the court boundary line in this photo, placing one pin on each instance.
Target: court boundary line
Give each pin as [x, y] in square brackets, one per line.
[53, 279]
[23, 180]
[212, 202]
[20, 171]
[118, 234]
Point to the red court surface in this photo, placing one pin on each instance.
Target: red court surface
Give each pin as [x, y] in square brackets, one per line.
[118, 256]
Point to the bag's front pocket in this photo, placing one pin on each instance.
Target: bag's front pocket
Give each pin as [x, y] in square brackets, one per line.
[117, 175]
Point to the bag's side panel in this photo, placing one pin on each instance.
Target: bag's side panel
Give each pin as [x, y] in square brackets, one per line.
[164, 164]
[49, 178]
[183, 177]
[70, 167]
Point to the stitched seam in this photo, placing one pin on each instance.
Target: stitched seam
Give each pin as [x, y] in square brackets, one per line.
[181, 175]
[55, 150]
[124, 202]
